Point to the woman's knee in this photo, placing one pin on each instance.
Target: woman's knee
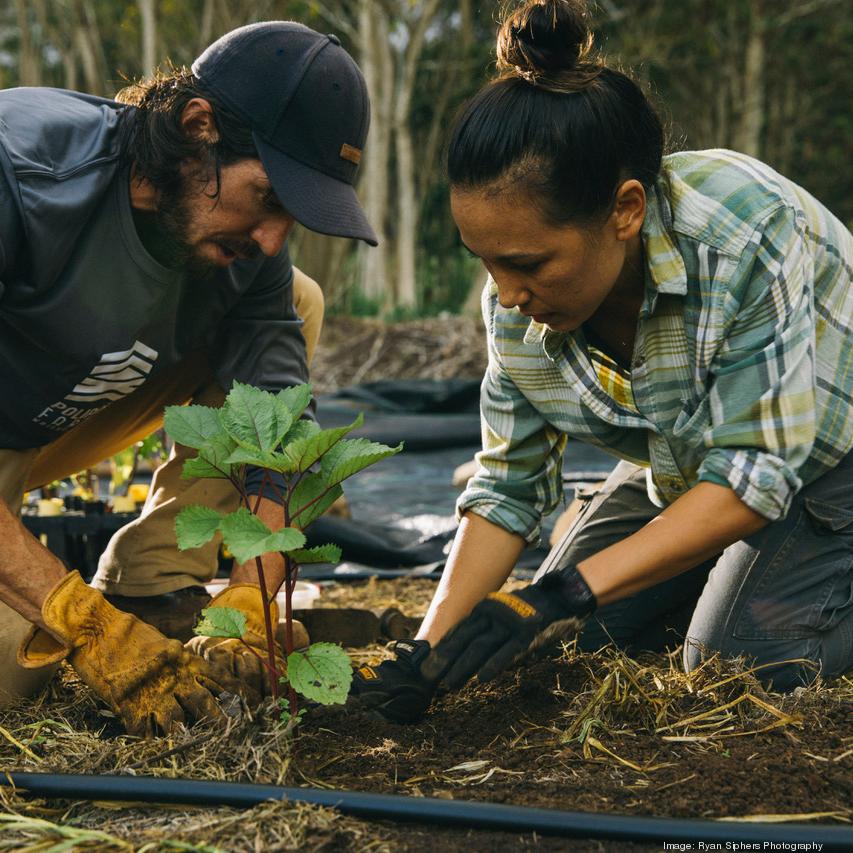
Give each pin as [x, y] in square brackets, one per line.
[310, 306]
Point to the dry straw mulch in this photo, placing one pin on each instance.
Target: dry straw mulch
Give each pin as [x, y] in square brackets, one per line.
[589, 720]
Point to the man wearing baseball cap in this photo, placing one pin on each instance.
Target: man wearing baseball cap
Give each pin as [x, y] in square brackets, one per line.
[144, 263]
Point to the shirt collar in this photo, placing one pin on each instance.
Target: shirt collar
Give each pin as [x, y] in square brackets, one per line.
[552, 342]
[665, 268]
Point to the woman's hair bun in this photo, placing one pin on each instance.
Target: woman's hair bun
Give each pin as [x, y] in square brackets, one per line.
[546, 39]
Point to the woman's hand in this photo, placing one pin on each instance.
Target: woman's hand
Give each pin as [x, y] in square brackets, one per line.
[505, 625]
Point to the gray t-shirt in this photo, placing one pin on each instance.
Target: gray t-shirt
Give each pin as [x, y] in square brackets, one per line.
[87, 315]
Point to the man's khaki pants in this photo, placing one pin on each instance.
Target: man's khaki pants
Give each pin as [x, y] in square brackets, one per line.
[142, 558]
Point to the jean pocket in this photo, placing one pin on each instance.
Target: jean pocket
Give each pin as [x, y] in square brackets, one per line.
[806, 586]
[828, 518]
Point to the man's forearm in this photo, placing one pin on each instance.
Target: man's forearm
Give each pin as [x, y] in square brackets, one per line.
[700, 524]
[28, 571]
[482, 557]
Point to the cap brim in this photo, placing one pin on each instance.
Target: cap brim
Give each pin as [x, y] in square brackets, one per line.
[317, 201]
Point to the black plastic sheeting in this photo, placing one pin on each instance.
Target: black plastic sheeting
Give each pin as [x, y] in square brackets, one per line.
[403, 507]
[439, 812]
[426, 415]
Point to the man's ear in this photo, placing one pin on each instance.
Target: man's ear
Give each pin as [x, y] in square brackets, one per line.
[629, 210]
[197, 121]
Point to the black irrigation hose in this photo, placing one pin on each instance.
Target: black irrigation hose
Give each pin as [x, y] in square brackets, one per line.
[518, 819]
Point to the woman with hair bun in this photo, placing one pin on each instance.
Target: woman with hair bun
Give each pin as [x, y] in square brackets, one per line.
[689, 313]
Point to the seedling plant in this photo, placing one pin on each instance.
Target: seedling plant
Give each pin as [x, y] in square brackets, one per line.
[259, 428]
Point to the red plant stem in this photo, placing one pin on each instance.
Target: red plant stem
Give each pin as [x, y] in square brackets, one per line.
[288, 605]
[265, 601]
[313, 501]
[264, 663]
[264, 481]
[268, 627]
[288, 628]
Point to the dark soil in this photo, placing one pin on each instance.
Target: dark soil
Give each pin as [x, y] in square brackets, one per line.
[503, 743]
[516, 741]
[511, 742]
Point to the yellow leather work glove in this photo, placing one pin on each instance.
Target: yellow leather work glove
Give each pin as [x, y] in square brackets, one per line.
[232, 655]
[152, 683]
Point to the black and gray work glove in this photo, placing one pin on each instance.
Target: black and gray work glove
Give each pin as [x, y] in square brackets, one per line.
[396, 689]
[505, 625]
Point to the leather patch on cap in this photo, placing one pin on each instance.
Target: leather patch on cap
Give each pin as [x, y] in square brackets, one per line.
[353, 155]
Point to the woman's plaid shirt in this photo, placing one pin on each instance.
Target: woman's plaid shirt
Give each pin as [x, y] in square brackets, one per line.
[742, 369]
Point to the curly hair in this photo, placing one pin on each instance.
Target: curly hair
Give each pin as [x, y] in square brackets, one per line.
[157, 145]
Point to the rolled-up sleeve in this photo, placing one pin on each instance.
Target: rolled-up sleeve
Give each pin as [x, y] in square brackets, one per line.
[762, 395]
[519, 477]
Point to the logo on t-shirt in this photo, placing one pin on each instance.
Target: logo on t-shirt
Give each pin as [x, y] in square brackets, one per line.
[116, 375]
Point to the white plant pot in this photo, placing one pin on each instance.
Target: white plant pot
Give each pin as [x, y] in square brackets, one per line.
[303, 596]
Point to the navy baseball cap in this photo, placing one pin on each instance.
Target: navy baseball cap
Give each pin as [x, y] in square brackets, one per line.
[306, 102]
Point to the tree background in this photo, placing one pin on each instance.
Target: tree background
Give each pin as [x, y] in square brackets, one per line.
[770, 78]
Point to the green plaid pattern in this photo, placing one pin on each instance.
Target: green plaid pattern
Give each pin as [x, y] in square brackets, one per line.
[743, 362]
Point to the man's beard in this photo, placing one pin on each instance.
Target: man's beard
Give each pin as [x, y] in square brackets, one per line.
[174, 216]
[173, 220]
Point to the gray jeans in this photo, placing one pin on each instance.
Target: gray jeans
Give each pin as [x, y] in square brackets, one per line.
[782, 594]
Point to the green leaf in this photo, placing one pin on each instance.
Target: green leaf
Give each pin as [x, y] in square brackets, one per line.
[261, 458]
[322, 673]
[348, 457]
[296, 399]
[212, 459]
[192, 426]
[254, 418]
[221, 622]
[287, 539]
[310, 489]
[244, 532]
[246, 536]
[303, 453]
[299, 431]
[196, 526]
[320, 554]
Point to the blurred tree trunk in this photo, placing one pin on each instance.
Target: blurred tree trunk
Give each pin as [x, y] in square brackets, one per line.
[450, 73]
[59, 39]
[148, 18]
[748, 130]
[376, 63]
[87, 40]
[785, 105]
[466, 23]
[29, 62]
[205, 30]
[407, 296]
